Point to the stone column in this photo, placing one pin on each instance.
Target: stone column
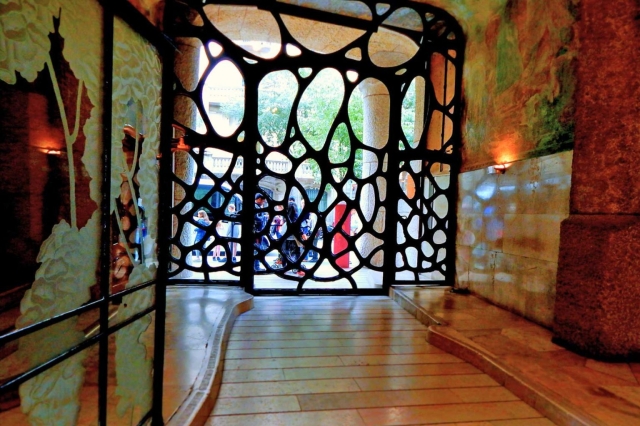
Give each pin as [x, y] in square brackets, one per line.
[185, 112]
[414, 189]
[375, 134]
[442, 79]
[597, 308]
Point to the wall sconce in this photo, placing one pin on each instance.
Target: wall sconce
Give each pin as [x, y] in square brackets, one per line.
[498, 169]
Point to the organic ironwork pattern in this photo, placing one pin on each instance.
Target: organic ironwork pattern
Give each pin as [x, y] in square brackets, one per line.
[350, 109]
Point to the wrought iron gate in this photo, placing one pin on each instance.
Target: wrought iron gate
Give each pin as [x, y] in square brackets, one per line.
[399, 189]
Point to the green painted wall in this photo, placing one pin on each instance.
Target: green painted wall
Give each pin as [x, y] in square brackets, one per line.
[518, 78]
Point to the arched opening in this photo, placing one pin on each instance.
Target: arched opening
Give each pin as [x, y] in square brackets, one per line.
[319, 144]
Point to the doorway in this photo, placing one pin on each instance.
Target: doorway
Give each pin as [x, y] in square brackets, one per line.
[316, 147]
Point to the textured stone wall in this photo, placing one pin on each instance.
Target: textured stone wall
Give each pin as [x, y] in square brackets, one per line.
[509, 234]
[598, 289]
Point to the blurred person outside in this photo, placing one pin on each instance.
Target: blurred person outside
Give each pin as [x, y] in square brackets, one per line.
[306, 225]
[233, 231]
[276, 224]
[202, 219]
[219, 233]
[259, 222]
[293, 244]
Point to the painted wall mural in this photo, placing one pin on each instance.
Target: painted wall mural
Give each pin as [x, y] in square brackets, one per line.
[137, 80]
[51, 175]
[518, 78]
[51, 67]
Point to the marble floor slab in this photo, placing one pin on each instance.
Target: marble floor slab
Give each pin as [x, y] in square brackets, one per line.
[195, 317]
[604, 393]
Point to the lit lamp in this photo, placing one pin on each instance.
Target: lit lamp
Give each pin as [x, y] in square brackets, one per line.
[498, 169]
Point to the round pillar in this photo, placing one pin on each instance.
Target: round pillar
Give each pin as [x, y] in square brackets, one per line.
[185, 112]
[598, 281]
[376, 105]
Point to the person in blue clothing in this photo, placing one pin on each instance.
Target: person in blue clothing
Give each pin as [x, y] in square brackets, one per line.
[233, 230]
[292, 247]
[259, 222]
[306, 224]
[202, 219]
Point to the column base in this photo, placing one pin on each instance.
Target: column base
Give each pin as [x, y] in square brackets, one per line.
[597, 307]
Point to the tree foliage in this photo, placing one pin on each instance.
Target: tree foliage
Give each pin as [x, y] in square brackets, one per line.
[315, 115]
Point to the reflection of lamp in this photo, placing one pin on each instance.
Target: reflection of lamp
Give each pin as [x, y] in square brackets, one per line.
[177, 142]
[498, 169]
[129, 130]
[179, 145]
[50, 150]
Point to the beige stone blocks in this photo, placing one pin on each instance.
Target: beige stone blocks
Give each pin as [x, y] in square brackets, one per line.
[509, 234]
[532, 235]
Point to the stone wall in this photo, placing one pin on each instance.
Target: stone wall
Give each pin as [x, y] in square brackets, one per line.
[509, 233]
[599, 277]
[519, 85]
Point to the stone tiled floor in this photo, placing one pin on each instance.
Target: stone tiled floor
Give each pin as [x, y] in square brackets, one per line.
[194, 314]
[351, 361]
[607, 393]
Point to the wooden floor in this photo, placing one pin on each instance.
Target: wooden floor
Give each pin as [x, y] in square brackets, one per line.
[351, 361]
[365, 278]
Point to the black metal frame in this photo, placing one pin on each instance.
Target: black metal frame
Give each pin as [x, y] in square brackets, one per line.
[125, 11]
[441, 35]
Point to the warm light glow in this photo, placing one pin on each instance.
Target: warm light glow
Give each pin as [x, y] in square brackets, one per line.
[504, 149]
[50, 151]
[46, 144]
[505, 158]
[499, 169]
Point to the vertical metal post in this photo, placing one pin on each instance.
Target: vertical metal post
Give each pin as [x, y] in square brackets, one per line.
[165, 220]
[250, 185]
[393, 188]
[454, 169]
[105, 255]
